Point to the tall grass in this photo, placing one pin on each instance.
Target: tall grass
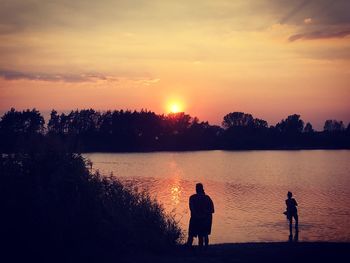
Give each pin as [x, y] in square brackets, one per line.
[52, 207]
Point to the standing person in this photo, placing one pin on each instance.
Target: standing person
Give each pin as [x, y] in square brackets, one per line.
[202, 208]
[291, 212]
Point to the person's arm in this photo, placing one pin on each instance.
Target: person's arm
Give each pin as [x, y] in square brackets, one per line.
[295, 202]
[190, 202]
[211, 206]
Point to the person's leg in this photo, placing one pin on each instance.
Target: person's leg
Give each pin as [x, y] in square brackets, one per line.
[296, 222]
[200, 241]
[296, 236]
[206, 240]
[291, 226]
[190, 240]
[191, 232]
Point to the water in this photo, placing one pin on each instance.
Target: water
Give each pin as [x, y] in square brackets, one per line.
[248, 189]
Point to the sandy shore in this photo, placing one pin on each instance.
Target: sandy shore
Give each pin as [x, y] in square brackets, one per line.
[256, 252]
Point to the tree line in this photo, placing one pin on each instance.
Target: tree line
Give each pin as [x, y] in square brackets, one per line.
[129, 131]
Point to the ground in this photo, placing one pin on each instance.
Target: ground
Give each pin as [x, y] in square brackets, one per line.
[256, 252]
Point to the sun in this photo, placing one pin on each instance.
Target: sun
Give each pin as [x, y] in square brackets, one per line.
[174, 108]
[174, 105]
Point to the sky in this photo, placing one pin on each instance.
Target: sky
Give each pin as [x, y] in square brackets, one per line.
[270, 58]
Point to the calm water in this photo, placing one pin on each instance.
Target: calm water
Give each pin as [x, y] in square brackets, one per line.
[248, 189]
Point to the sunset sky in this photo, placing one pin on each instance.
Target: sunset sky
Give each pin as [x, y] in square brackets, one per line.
[271, 58]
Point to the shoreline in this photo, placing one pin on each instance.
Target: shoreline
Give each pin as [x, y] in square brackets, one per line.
[224, 150]
[255, 252]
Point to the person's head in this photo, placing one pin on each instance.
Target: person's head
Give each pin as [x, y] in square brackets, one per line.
[289, 194]
[199, 188]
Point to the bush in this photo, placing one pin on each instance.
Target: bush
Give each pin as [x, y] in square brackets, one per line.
[52, 206]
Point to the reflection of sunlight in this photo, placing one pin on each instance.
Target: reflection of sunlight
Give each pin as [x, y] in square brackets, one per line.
[175, 194]
[174, 184]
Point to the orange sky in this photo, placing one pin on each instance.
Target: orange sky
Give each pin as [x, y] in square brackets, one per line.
[269, 58]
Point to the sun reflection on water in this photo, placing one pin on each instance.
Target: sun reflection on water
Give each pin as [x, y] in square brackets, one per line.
[175, 194]
[175, 184]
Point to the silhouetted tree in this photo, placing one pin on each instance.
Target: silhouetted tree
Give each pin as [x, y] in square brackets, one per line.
[260, 124]
[333, 126]
[242, 130]
[293, 124]
[20, 128]
[237, 119]
[25, 122]
[178, 122]
[89, 130]
[54, 125]
[243, 120]
[308, 128]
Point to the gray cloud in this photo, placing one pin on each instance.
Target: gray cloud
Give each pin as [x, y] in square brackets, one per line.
[19, 15]
[330, 18]
[319, 35]
[294, 11]
[17, 75]
[145, 79]
[324, 12]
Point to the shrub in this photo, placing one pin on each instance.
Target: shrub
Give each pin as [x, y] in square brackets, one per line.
[53, 206]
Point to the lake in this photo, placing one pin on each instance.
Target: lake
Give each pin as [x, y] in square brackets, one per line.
[248, 189]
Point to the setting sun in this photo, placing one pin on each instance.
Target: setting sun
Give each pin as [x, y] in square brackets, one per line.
[175, 107]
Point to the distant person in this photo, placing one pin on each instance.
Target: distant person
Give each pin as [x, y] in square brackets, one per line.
[202, 208]
[292, 212]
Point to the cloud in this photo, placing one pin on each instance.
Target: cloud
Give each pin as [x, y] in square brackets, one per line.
[294, 11]
[319, 35]
[79, 78]
[326, 12]
[308, 20]
[17, 75]
[316, 19]
[18, 16]
[148, 81]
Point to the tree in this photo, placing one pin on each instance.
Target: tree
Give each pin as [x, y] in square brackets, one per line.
[53, 125]
[20, 129]
[243, 120]
[237, 119]
[25, 122]
[260, 124]
[333, 126]
[85, 121]
[178, 122]
[293, 124]
[308, 128]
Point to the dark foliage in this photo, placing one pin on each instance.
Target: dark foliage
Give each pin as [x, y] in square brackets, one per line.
[292, 125]
[20, 130]
[308, 128]
[130, 131]
[53, 208]
[333, 126]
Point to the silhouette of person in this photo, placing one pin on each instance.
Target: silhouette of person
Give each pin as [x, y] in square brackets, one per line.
[292, 212]
[202, 208]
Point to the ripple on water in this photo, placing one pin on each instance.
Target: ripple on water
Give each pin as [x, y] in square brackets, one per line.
[248, 189]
